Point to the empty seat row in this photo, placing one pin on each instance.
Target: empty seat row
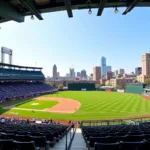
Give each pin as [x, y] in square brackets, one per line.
[34, 135]
[15, 145]
[109, 134]
[141, 145]
[114, 139]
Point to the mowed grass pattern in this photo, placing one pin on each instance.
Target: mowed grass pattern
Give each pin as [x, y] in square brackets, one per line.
[96, 105]
[37, 104]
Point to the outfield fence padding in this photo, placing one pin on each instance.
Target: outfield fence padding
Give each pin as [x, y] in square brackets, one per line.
[81, 86]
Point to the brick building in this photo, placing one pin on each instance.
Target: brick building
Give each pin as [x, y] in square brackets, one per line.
[96, 73]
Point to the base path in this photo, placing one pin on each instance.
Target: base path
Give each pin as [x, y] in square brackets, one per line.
[66, 105]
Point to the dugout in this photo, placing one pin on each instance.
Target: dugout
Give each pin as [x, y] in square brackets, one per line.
[81, 86]
[135, 88]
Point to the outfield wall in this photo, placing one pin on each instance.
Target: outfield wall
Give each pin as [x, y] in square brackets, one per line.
[135, 88]
[81, 86]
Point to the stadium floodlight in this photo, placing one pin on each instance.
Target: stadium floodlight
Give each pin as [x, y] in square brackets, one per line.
[116, 10]
[90, 11]
[32, 17]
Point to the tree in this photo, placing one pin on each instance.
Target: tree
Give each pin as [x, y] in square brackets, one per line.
[97, 86]
[60, 86]
[50, 84]
[118, 87]
[147, 81]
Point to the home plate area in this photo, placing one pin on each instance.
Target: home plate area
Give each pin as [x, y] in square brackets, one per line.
[34, 104]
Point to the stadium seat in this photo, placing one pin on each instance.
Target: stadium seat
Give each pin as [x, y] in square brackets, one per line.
[7, 135]
[40, 141]
[146, 144]
[22, 138]
[22, 133]
[25, 145]
[134, 138]
[50, 137]
[6, 144]
[132, 145]
[107, 146]
[94, 140]
[114, 139]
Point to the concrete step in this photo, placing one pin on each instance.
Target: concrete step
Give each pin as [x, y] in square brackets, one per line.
[78, 142]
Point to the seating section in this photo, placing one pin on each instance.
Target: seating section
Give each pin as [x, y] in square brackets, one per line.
[17, 90]
[117, 137]
[23, 136]
[12, 74]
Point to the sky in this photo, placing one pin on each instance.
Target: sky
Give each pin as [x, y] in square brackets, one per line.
[79, 42]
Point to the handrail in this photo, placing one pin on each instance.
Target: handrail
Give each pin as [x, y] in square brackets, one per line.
[67, 146]
[71, 125]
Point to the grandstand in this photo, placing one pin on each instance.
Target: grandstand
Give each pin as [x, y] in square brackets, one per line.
[18, 82]
[15, 72]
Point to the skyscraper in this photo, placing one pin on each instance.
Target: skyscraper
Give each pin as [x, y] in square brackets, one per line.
[146, 64]
[116, 72]
[58, 74]
[96, 73]
[145, 68]
[83, 74]
[108, 69]
[78, 74]
[55, 72]
[109, 75]
[121, 71]
[138, 70]
[103, 67]
[72, 73]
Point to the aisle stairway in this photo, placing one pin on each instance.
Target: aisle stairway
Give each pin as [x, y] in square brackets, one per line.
[60, 145]
[78, 142]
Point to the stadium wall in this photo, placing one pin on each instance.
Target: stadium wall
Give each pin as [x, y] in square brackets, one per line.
[135, 88]
[81, 86]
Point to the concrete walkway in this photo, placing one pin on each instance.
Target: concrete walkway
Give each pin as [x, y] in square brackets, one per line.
[77, 143]
[60, 145]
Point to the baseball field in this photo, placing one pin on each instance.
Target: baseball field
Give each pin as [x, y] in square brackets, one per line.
[79, 105]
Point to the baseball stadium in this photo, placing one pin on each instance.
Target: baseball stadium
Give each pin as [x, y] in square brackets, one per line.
[35, 115]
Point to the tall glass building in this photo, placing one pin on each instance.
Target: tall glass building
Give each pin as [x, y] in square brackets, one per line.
[103, 67]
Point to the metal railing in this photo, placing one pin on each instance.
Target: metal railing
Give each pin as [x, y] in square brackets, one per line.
[114, 122]
[70, 132]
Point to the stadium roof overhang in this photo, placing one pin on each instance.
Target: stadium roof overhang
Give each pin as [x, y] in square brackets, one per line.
[17, 66]
[17, 9]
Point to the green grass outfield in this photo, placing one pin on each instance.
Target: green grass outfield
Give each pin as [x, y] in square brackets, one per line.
[95, 105]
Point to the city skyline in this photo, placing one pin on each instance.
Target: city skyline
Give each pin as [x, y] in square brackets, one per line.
[53, 45]
[72, 73]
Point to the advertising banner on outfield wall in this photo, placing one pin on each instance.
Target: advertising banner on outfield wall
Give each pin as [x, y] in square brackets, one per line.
[121, 91]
